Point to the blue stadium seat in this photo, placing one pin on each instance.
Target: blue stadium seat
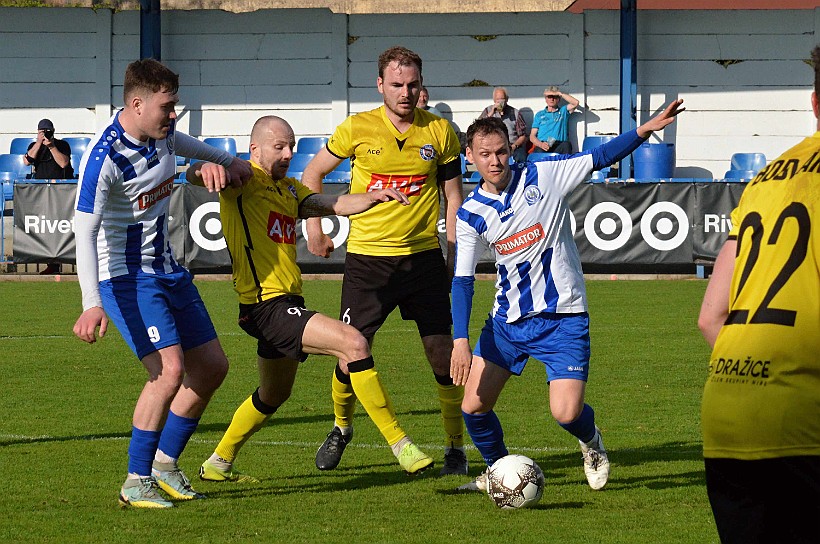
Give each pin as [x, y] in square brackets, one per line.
[740, 174]
[337, 176]
[748, 161]
[475, 177]
[598, 177]
[594, 141]
[78, 145]
[181, 178]
[591, 142]
[344, 166]
[8, 188]
[20, 145]
[299, 161]
[228, 144]
[463, 163]
[14, 163]
[246, 156]
[310, 144]
[181, 161]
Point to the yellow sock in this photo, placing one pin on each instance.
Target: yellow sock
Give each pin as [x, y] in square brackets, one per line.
[246, 421]
[344, 399]
[374, 398]
[450, 397]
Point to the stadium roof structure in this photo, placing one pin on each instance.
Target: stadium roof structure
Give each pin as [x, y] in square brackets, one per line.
[349, 7]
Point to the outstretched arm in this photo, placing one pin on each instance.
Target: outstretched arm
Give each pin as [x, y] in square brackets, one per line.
[317, 205]
[319, 166]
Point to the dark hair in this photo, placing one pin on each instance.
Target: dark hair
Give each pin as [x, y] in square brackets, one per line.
[399, 54]
[486, 126]
[150, 75]
[815, 58]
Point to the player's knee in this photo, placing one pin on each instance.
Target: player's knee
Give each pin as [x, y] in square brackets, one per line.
[356, 346]
[566, 413]
[474, 406]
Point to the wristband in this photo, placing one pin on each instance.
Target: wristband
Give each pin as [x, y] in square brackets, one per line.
[28, 158]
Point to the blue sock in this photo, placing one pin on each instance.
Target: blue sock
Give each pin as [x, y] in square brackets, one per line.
[175, 435]
[487, 435]
[141, 451]
[583, 428]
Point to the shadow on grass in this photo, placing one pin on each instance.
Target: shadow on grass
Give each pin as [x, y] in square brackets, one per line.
[665, 477]
[74, 438]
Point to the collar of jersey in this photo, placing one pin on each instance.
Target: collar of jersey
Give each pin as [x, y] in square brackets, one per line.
[393, 129]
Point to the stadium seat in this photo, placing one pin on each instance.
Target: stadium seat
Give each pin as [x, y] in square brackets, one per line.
[344, 166]
[740, 174]
[597, 176]
[14, 163]
[227, 143]
[246, 156]
[337, 176]
[591, 142]
[475, 177]
[181, 178]
[463, 163]
[8, 187]
[78, 145]
[748, 161]
[76, 159]
[534, 157]
[298, 162]
[181, 161]
[310, 144]
[19, 146]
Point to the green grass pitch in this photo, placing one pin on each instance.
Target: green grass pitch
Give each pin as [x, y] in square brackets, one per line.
[66, 417]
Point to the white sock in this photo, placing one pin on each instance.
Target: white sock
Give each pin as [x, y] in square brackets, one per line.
[346, 431]
[219, 462]
[398, 446]
[162, 457]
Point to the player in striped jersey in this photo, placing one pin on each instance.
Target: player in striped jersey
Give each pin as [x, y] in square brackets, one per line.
[127, 273]
[540, 308]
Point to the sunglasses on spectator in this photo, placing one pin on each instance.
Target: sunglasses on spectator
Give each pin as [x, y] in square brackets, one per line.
[552, 96]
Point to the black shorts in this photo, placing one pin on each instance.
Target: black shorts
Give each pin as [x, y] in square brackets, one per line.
[767, 501]
[418, 284]
[278, 324]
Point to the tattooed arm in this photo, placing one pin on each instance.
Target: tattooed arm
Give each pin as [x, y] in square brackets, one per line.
[317, 205]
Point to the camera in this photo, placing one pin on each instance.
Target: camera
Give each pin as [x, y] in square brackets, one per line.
[48, 133]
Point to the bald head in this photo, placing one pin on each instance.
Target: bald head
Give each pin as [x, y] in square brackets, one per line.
[272, 143]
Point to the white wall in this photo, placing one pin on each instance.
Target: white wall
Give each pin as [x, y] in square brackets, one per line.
[313, 68]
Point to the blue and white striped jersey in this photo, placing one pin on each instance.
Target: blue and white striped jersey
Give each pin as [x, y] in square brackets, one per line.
[129, 184]
[528, 231]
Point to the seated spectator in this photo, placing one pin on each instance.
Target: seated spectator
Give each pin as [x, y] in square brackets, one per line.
[424, 96]
[512, 119]
[550, 127]
[50, 156]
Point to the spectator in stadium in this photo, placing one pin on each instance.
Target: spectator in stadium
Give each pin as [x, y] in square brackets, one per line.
[550, 126]
[393, 252]
[760, 415]
[128, 274]
[50, 156]
[512, 119]
[540, 307]
[269, 284]
[424, 97]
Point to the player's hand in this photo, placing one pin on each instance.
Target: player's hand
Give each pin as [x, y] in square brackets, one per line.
[86, 326]
[664, 118]
[386, 195]
[215, 177]
[240, 171]
[320, 244]
[460, 361]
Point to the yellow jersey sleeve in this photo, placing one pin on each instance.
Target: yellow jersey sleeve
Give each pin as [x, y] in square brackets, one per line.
[762, 396]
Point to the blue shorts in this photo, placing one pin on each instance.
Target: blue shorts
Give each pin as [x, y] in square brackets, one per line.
[560, 341]
[156, 311]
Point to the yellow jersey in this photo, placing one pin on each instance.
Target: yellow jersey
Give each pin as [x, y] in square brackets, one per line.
[383, 157]
[259, 224]
[762, 396]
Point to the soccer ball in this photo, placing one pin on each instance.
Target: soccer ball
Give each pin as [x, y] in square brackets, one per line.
[515, 481]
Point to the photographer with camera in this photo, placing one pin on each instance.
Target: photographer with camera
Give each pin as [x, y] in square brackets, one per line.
[50, 156]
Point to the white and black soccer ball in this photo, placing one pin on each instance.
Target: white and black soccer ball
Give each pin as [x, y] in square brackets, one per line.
[515, 481]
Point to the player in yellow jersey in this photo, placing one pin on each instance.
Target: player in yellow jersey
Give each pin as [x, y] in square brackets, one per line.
[259, 222]
[761, 314]
[393, 252]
